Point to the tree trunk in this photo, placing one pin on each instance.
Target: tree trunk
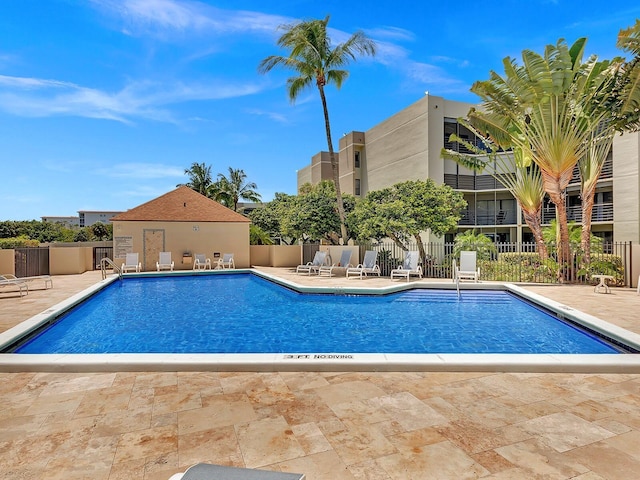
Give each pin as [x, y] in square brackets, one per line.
[532, 219]
[335, 167]
[587, 208]
[422, 252]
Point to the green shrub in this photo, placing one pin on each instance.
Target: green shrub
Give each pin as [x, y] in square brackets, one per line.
[18, 242]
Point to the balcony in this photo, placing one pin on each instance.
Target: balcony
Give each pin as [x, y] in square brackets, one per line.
[501, 217]
[602, 212]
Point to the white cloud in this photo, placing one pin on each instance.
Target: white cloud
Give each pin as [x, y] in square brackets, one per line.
[141, 171]
[34, 97]
[278, 117]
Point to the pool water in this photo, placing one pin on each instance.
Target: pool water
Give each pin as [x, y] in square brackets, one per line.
[243, 313]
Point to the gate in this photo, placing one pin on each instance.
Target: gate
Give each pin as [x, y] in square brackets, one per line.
[308, 251]
[32, 262]
[99, 253]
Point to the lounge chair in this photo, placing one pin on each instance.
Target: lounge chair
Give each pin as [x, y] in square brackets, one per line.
[345, 262]
[165, 262]
[206, 471]
[131, 263]
[312, 267]
[226, 261]
[48, 281]
[468, 269]
[409, 267]
[201, 262]
[369, 266]
[9, 281]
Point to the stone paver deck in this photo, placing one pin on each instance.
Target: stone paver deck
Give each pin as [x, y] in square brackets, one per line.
[374, 426]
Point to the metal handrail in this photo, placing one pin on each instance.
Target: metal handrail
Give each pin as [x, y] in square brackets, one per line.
[103, 266]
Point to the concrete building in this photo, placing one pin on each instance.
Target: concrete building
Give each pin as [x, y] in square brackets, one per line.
[89, 217]
[407, 146]
[182, 222]
[68, 222]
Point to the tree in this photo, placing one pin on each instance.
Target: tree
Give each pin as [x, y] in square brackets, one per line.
[512, 168]
[313, 216]
[405, 210]
[313, 59]
[269, 217]
[200, 178]
[229, 190]
[469, 240]
[541, 107]
[257, 236]
[99, 230]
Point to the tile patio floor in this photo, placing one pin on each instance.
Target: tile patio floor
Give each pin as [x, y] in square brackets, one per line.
[374, 426]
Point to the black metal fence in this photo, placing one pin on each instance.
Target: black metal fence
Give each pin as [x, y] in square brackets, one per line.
[31, 262]
[99, 253]
[514, 262]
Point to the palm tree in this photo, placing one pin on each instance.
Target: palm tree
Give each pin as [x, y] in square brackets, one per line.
[542, 104]
[313, 59]
[200, 178]
[229, 190]
[511, 167]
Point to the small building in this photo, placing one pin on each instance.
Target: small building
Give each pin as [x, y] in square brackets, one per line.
[184, 223]
[89, 217]
[69, 222]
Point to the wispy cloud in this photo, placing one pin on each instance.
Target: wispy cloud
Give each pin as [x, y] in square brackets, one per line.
[165, 18]
[34, 97]
[278, 117]
[141, 171]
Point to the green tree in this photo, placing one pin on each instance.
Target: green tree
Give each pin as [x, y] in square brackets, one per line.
[269, 217]
[313, 216]
[257, 236]
[469, 240]
[230, 190]
[405, 210]
[200, 178]
[314, 60]
[541, 107]
[81, 236]
[99, 230]
[511, 167]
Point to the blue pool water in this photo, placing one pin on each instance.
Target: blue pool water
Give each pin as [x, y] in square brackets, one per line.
[243, 313]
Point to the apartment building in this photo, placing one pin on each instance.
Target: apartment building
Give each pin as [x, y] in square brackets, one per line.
[407, 146]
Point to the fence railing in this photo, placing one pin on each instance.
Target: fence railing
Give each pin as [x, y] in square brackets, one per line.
[514, 262]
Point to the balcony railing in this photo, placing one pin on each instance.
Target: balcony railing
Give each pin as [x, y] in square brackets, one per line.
[602, 212]
[501, 217]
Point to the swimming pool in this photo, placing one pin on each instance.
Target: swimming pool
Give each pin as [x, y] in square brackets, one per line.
[243, 313]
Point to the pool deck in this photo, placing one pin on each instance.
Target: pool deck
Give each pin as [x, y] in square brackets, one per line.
[328, 425]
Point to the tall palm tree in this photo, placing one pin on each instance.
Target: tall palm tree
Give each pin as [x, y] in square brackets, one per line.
[542, 103]
[200, 178]
[229, 190]
[510, 166]
[313, 59]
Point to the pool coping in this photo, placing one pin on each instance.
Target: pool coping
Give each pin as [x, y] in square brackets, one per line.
[568, 363]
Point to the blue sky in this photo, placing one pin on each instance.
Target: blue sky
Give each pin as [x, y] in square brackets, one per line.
[104, 103]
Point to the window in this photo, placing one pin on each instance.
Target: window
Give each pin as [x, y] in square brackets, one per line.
[357, 186]
[356, 160]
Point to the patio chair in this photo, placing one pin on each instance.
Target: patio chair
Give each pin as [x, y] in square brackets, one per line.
[226, 261]
[10, 281]
[201, 262]
[468, 269]
[312, 267]
[48, 281]
[409, 267]
[207, 471]
[369, 266]
[131, 263]
[165, 262]
[345, 262]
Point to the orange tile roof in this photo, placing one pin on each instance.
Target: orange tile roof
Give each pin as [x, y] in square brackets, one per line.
[181, 205]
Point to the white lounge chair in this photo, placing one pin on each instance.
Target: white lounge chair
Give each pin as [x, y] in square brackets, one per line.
[369, 266]
[345, 262]
[201, 262]
[312, 267]
[165, 262]
[131, 263]
[226, 261]
[48, 281]
[468, 269]
[409, 267]
[206, 471]
[9, 281]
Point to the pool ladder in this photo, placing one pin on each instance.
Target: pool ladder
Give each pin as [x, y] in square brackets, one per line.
[106, 261]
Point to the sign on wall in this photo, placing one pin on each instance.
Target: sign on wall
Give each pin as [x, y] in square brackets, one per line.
[122, 246]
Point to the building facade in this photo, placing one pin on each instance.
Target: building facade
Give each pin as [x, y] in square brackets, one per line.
[407, 146]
